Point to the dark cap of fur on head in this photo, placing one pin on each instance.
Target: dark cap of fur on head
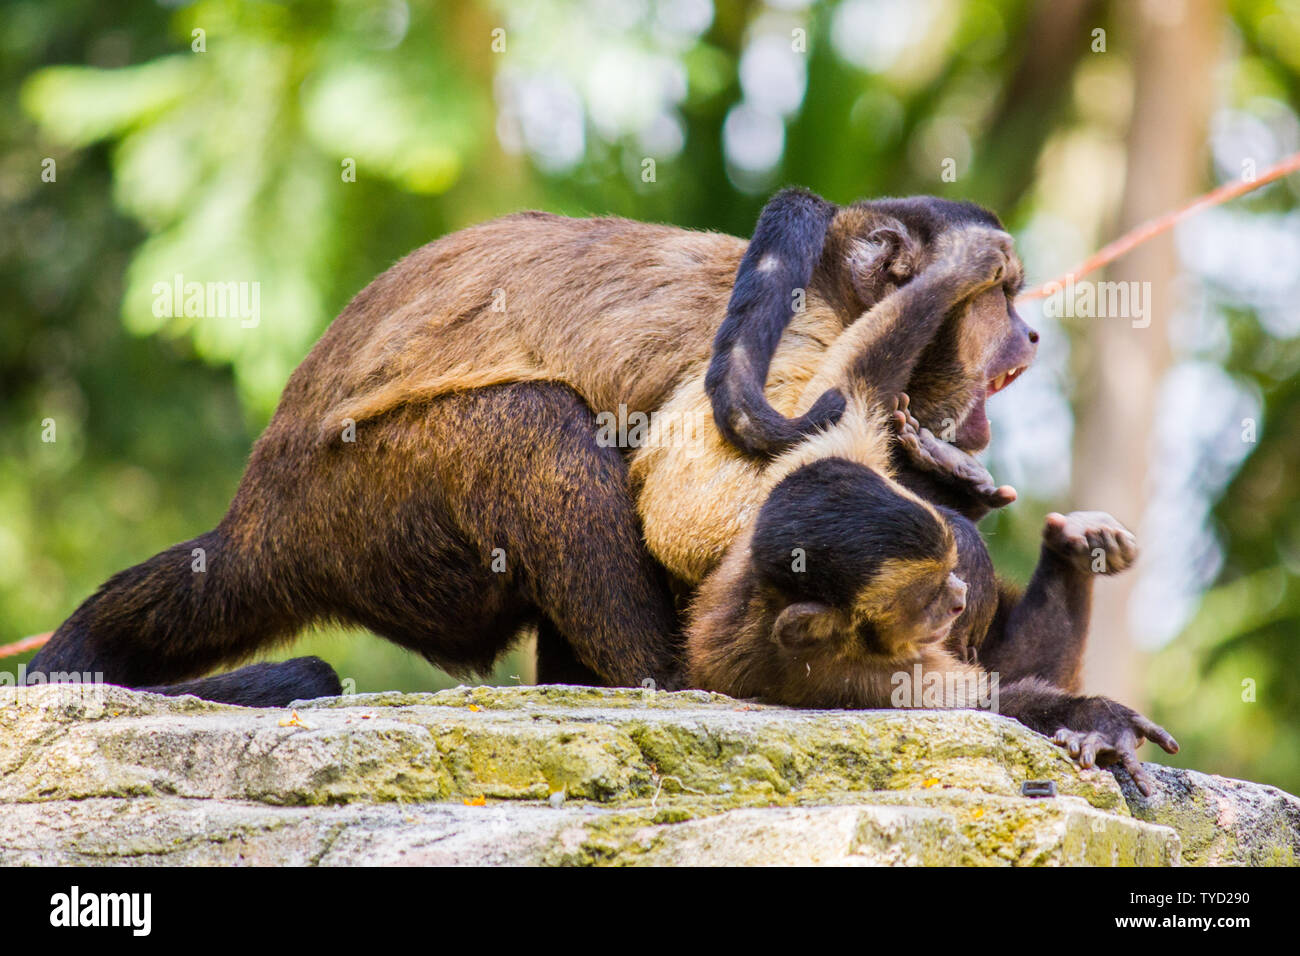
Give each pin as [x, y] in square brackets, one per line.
[848, 520]
[927, 216]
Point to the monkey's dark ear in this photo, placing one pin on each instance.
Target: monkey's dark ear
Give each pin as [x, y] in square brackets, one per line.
[804, 623]
[888, 255]
[786, 247]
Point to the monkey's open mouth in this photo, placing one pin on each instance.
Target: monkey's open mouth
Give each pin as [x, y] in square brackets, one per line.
[975, 432]
[996, 385]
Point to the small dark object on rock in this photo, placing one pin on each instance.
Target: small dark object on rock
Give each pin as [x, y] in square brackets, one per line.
[1038, 788]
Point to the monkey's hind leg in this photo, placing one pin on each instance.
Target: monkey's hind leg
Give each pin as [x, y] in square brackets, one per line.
[556, 661]
[554, 506]
[179, 614]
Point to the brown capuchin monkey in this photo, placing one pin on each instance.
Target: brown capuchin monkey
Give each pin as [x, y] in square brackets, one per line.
[433, 472]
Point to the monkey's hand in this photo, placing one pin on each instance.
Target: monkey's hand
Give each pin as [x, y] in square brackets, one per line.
[972, 259]
[1100, 732]
[945, 460]
[1092, 541]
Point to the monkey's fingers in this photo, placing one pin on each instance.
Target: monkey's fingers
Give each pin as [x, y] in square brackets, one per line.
[923, 449]
[1093, 745]
[1001, 496]
[902, 414]
[1128, 757]
[994, 496]
[1082, 536]
[1068, 739]
[1123, 751]
[1108, 541]
[901, 425]
[1089, 749]
[1154, 732]
[1125, 548]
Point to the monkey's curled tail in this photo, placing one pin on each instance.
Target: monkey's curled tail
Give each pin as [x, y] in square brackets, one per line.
[181, 613]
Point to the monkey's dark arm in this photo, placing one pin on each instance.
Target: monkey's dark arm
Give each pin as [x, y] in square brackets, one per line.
[1095, 730]
[1042, 632]
[784, 251]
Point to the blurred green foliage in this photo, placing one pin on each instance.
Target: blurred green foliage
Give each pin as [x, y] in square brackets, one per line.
[228, 163]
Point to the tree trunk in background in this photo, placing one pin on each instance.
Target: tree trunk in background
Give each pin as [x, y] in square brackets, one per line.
[1055, 39]
[1175, 51]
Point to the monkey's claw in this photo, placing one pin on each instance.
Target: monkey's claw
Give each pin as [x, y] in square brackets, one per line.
[1092, 540]
[944, 459]
[1110, 734]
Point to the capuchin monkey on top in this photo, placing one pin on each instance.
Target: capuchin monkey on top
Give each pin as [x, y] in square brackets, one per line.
[433, 473]
[434, 461]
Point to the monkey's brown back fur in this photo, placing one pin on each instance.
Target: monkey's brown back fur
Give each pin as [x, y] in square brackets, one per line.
[611, 307]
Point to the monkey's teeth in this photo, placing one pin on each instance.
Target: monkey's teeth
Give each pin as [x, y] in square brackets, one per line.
[1002, 381]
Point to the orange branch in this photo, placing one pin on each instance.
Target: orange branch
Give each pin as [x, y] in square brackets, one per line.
[1154, 227]
[26, 644]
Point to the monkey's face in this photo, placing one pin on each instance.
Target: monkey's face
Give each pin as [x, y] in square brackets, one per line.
[908, 605]
[978, 352]
[853, 567]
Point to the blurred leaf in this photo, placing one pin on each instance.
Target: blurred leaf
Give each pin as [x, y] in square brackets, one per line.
[78, 105]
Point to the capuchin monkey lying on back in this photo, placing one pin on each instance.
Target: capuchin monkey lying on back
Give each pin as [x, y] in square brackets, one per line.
[867, 612]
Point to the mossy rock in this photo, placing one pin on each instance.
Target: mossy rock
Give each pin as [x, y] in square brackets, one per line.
[576, 775]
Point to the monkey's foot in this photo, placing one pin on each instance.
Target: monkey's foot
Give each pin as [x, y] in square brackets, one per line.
[944, 459]
[1104, 733]
[1092, 541]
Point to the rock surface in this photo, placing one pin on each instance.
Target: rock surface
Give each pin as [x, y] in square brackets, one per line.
[566, 775]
